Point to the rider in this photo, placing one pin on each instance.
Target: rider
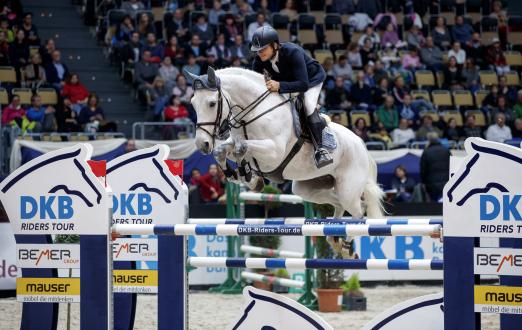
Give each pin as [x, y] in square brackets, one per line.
[292, 71]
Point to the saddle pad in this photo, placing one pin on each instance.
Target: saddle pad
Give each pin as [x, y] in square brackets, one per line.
[329, 141]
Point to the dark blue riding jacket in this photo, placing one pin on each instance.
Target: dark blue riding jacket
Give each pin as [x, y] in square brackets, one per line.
[297, 71]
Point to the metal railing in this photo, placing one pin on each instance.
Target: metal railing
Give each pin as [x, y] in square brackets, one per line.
[175, 130]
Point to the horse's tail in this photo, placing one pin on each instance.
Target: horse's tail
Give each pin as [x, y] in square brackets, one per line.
[373, 194]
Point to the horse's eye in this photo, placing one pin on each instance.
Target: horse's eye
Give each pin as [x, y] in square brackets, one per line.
[212, 104]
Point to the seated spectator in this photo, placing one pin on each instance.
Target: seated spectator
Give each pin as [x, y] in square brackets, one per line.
[34, 74]
[196, 49]
[46, 51]
[173, 50]
[461, 31]
[175, 110]
[407, 111]
[499, 131]
[491, 100]
[506, 91]
[452, 75]
[156, 49]
[184, 91]
[131, 52]
[390, 36]
[240, 50]
[403, 134]
[517, 129]
[43, 116]
[475, 50]
[431, 55]
[158, 96]
[336, 118]
[354, 56]
[76, 92]
[337, 98]
[360, 129]
[92, 117]
[56, 72]
[241, 8]
[380, 92]
[370, 34]
[399, 90]
[457, 52]
[390, 58]
[434, 166]
[367, 52]
[379, 72]
[14, 115]
[203, 30]
[211, 184]
[452, 132]
[66, 117]
[144, 73]
[231, 29]
[502, 107]
[414, 37]
[221, 52]
[501, 16]
[411, 60]
[214, 13]
[381, 134]
[517, 108]
[145, 26]
[403, 184]
[427, 127]
[19, 52]
[30, 31]
[192, 66]
[193, 187]
[369, 75]
[440, 34]
[177, 26]
[168, 72]
[252, 27]
[4, 27]
[361, 93]
[470, 128]
[470, 75]
[387, 114]
[290, 10]
[342, 68]
[382, 20]
[4, 50]
[125, 29]
[132, 7]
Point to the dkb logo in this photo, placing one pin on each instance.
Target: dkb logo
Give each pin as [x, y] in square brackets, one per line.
[46, 207]
[492, 207]
[132, 204]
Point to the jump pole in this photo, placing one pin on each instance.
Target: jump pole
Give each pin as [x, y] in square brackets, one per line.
[272, 280]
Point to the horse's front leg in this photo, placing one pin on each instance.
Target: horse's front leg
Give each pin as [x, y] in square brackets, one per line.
[264, 151]
[221, 154]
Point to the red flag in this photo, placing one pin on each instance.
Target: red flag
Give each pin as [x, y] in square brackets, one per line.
[175, 167]
[99, 168]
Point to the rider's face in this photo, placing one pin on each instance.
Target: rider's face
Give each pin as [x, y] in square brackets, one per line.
[266, 53]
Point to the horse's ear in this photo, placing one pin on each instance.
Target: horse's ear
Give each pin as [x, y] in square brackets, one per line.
[211, 74]
[190, 76]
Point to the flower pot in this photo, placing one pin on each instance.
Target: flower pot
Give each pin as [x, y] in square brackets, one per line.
[330, 300]
[279, 288]
[263, 285]
[354, 302]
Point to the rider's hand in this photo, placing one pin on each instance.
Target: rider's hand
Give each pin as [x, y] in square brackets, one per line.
[272, 85]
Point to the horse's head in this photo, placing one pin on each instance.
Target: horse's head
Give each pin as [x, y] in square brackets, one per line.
[267, 310]
[211, 109]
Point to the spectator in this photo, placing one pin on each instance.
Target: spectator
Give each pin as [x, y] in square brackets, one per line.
[380, 92]
[434, 166]
[241, 8]
[196, 49]
[4, 27]
[387, 114]
[517, 108]
[370, 34]
[491, 100]
[203, 30]
[411, 60]
[145, 26]
[289, 10]
[403, 184]
[46, 52]
[231, 29]
[182, 90]
[499, 131]
[390, 36]
[361, 93]
[175, 110]
[379, 71]
[517, 129]
[34, 74]
[221, 52]
[399, 90]
[390, 58]
[192, 66]
[158, 96]
[30, 31]
[214, 13]
[193, 187]
[336, 118]
[470, 75]
[66, 117]
[144, 73]
[42, 116]
[131, 52]
[14, 115]
[211, 184]
[369, 74]
[427, 127]
[414, 37]
[132, 7]
[498, 13]
[505, 90]
[124, 32]
[156, 50]
[471, 129]
[252, 27]
[381, 134]
[407, 111]
[367, 52]
[461, 31]
[502, 107]
[452, 132]
[173, 50]
[457, 52]
[402, 135]
[496, 58]
[240, 50]
[56, 72]
[360, 129]
[342, 68]
[337, 98]
[177, 26]
[92, 117]
[168, 72]
[370, 7]
[475, 50]
[452, 75]
[4, 50]
[431, 55]
[19, 52]
[354, 56]
[440, 34]
[380, 23]
[76, 92]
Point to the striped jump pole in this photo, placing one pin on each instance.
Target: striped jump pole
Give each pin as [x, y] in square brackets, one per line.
[299, 263]
[278, 230]
[260, 197]
[306, 221]
[271, 252]
[272, 280]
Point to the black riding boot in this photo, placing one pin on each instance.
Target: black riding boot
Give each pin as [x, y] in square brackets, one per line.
[316, 125]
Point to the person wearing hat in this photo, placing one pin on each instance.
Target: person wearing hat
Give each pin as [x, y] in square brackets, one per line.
[291, 70]
[496, 59]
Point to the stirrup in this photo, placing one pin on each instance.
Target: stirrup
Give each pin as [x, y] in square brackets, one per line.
[322, 158]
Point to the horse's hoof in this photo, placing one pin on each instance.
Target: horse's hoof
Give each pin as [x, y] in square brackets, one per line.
[240, 150]
[260, 185]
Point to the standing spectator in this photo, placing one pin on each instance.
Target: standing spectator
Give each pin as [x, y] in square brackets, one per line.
[19, 52]
[30, 31]
[411, 60]
[221, 52]
[156, 49]
[470, 75]
[168, 72]
[337, 98]
[369, 33]
[431, 55]
[470, 128]
[214, 13]
[440, 34]
[402, 135]
[426, 128]
[144, 73]
[499, 131]
[252, 27]
[56, 71]
[76, 92]
[457, 52]
[132, 7]
[211, 184]
[452, 75]
[240, 50]
[360, 129]
[158, 96]
[4, 27]
[290, 10]
[475, 50]
[42, 116]
[403, 184]
[361, 93]
[34, 74]
[452, 132]
[175, 110]
[4, 50]
[461, 31]
[434, 166]
[414, 37]
[145, 26]
[203, 30]
[66, 117]
[92, 117]
[496, 59]
[502, 107]
[354, 56]
[173, 50]
[184, 91]
[387, 114]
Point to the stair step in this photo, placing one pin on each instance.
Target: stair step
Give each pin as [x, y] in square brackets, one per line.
[78, 35]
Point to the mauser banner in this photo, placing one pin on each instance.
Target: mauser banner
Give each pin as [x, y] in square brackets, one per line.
[498, 299]
[135, 281]
[48, 290]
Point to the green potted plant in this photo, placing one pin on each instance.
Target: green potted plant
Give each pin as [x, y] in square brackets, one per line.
[353, 297]
[280, 273]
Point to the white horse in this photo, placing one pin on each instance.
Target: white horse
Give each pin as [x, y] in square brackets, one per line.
[262, 133]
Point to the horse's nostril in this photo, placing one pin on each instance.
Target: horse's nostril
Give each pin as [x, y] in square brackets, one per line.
[207, 145]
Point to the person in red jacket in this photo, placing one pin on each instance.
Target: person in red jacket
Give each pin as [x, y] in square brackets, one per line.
[13, 112]
[211, 184]
[76, 92]
[175, 110]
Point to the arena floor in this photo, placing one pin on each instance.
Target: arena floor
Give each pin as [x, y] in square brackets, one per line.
[216, 311]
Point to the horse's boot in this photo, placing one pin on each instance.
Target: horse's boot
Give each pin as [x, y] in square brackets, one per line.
[316, 125]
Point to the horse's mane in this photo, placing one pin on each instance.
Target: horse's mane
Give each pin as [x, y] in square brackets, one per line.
[246, 73]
